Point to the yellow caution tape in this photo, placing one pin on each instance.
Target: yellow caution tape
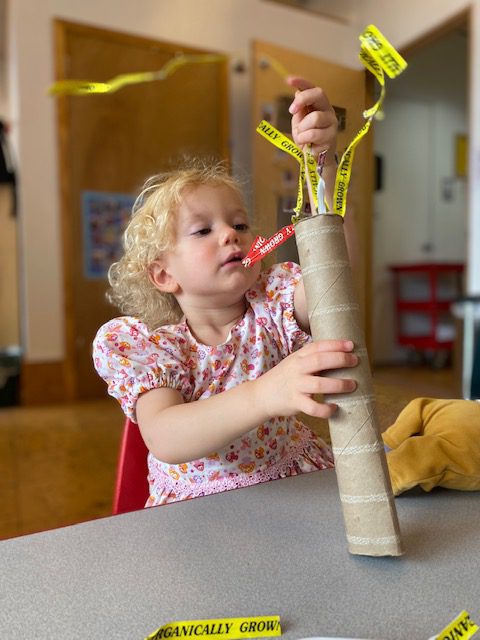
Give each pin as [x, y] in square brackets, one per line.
[256, 627]
[281, 141]
[284, 143]
[86, 87]
[378, 56]
[461, 628]
[274, 64]
[382, 51]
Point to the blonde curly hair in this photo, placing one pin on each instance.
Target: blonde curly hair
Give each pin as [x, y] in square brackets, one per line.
[151, 232]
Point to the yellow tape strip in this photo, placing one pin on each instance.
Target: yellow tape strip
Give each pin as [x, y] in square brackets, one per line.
[382, 51]
[344, 172]
[378, 56]
[311, 179]
[274, 64]
[281, 141]
[256, 627]
[461, 628]
[85, 87]
[304, 158]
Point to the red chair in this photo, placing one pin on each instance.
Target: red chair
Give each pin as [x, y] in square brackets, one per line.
[131, 486]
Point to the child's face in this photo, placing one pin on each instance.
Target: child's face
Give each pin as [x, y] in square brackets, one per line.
[212, 237]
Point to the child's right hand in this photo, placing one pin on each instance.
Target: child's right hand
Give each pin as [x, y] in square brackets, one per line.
[314, 121]
[288, 388]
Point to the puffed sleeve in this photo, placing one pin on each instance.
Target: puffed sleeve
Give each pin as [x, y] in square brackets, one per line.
[275, 289]
[133, 360]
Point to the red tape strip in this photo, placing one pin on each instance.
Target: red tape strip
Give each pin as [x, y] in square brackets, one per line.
[262, 247]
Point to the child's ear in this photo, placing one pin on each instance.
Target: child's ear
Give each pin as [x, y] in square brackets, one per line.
[161, 278]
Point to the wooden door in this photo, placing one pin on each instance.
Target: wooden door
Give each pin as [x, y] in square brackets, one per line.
[275, 173]
[111, 143]
[9, 303]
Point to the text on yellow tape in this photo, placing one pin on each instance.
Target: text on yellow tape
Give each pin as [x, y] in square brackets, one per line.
[378, 56]
[256, 627]
[281, 141]
[461, 628]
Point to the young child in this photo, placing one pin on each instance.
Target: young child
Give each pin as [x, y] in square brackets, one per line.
[214, 360]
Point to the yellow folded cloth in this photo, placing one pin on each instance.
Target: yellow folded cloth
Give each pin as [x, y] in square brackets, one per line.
[435, 443]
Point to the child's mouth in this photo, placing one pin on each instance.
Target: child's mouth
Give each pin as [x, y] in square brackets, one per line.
[233, 259]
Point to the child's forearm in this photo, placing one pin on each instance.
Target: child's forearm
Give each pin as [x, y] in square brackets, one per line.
[177, 432]
[189, 431]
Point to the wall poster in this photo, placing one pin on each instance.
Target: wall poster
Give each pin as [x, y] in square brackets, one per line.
[105, 216]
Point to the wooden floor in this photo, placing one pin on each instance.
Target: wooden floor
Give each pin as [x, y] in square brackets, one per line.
[57, 463]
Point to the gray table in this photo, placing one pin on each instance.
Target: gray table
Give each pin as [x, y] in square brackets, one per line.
[277, 548]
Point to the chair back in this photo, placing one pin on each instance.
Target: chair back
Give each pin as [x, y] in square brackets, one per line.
[131, 486]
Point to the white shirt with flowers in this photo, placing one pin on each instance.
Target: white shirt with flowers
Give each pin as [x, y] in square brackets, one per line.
[133, 360]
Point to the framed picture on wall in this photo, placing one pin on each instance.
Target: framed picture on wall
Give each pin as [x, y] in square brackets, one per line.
[105, 217]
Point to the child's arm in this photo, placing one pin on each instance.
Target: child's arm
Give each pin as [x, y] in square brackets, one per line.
[313, 122]
[177, 432]
[299, 299]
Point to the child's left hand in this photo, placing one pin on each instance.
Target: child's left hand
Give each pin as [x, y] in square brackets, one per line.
[313, 118]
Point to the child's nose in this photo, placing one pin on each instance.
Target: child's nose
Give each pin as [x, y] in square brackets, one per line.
[229, 235]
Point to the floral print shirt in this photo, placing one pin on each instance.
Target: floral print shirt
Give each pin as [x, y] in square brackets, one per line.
[133, 360]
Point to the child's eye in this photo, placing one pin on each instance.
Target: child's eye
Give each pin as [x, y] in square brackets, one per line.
[242, 226]
[202, 232]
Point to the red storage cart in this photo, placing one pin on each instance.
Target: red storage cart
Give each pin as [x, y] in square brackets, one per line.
[424, 293]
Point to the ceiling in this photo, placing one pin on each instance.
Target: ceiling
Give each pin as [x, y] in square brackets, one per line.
[339, 10]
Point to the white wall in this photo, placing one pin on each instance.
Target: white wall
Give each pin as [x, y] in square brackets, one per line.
[412, 220]
[420, 214]
[404, 21]
[223, 25]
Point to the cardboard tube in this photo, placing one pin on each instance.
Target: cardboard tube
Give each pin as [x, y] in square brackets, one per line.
[364, 483]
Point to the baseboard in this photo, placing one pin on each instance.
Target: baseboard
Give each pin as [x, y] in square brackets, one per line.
[42, 383]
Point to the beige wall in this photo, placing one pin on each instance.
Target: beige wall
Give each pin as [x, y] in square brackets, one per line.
[227, 26]
[405, 21]
[223, 25]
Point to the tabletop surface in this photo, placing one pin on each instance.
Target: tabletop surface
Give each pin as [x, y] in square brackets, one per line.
[276, 548]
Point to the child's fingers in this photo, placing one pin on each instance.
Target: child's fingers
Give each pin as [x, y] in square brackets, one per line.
[313, 120]
[313, 99]
[318, 384]
[327, 345]
[318, 127]
[299, 83]
[317, 362]
[316, 120]
[321, 139]
[316, 409]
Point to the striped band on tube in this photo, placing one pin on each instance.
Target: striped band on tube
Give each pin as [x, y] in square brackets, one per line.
[378, 497]
[376, 541]
[361, 448]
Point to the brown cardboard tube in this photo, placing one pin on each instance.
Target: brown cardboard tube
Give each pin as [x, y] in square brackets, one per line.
[368, 505]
